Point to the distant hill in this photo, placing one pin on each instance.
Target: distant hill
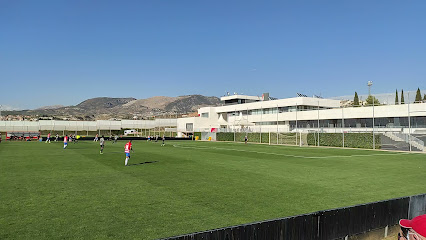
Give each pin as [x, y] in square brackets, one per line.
[191, 103]
[124, 108]
[158, 102]
[50, 107]
[103, 103]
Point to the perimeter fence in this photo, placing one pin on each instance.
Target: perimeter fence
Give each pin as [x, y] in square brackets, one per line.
[91, 128]
[366, 140]
[323, 225]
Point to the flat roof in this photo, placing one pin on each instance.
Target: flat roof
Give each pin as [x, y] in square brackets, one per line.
[308, 101]
[225, 98]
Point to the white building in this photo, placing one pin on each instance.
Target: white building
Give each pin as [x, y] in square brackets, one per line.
[303, 114]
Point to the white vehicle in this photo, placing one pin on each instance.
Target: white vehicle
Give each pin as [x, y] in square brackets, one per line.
[131, 131]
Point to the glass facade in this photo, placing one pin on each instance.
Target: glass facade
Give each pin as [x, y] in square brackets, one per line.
[392, 122]
[281, 110]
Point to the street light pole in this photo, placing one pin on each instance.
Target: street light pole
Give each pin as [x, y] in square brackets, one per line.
[409, 122]
[343, 128]
[318, 125]
[277, 124]
[369, 84]
[374, 140]
[296, 124]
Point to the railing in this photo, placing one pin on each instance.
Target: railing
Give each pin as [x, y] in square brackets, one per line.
[410, 139]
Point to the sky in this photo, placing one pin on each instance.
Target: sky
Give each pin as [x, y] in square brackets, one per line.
[64, 52]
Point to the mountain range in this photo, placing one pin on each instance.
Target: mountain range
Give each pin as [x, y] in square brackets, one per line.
[123, 108]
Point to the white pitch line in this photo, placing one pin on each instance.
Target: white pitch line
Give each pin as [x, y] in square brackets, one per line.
[289, 155]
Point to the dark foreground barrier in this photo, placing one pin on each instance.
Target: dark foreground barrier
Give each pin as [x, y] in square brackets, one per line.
[322, 225]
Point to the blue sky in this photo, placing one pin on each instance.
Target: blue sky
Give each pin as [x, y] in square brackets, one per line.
[63, 52]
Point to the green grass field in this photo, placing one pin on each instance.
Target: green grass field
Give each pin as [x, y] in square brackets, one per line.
[51, 193]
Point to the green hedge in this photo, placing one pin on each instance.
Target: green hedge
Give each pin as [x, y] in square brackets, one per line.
[239, 137]
[224, 136]
[352, 140]
[197, 134]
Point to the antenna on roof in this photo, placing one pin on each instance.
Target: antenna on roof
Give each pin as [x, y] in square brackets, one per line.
[301, 95]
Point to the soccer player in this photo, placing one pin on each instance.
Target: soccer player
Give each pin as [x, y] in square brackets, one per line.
[164, 139]
[245, 139]
[127, 149]
[115, 139]
[102, 142]
[56, 137]
[96, 138]
[148, 139]
[156, 138]
[65, 141]
[48, 138]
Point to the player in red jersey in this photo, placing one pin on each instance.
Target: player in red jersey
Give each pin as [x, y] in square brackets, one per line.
[65, 141]
[127, 149]
[48, 138]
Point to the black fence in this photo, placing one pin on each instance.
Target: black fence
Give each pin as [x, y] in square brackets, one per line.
[322, 225]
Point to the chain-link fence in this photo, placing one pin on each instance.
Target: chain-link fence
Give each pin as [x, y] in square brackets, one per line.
[366, 140]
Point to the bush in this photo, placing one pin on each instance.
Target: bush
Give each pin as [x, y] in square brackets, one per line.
[197, 134]
[352, 140]
[224, 136]
[240, 136]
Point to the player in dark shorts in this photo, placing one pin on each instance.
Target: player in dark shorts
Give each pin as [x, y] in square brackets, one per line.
[102, 143]
[245, 139]
[164, 139]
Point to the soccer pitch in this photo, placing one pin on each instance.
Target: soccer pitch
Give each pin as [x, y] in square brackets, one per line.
[48, 192]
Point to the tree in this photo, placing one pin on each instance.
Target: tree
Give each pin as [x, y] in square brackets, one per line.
[356, 100]
[402, 97]
[418, 96]
[424, 98]
[370, 100]
[396, 97]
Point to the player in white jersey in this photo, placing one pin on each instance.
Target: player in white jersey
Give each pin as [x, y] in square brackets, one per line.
[102, 142]
[164, 141]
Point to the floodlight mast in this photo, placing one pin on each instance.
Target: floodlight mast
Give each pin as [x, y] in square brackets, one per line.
[369, 84]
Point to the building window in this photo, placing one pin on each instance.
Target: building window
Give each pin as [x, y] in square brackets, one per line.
[189, 127]
[205, 115]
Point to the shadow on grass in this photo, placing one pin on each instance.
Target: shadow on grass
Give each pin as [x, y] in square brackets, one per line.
[137, 164]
